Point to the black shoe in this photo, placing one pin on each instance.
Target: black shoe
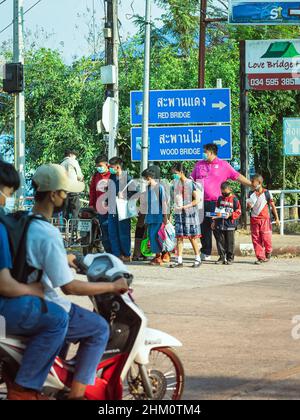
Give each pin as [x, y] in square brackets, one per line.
[229, 262]
[268, 257]
[258, 262]
[220, 261]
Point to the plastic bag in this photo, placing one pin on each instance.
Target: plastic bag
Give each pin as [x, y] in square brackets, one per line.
[167, 237]
[146, 248]
[126, 208]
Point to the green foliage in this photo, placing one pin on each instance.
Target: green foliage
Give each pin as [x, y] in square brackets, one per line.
[63, 104]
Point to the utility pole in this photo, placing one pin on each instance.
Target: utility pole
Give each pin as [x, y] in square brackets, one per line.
[202, 47]
[111, 59]
[204, 21]
[18, 57]
[244, 131]
[145, 129]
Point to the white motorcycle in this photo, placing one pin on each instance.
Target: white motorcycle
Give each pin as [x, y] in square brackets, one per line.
[138, 364]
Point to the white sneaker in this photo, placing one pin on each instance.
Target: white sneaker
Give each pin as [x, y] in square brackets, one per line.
[205, 257]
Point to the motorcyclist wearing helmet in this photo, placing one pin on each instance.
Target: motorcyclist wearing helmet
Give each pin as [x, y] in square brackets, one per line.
[46, 252]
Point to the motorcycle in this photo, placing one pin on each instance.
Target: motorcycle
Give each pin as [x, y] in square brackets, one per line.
[139, 362]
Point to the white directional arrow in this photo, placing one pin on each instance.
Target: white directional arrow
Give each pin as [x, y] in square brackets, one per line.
[295, 143]
[221, 142]
[219, 105]
[294, 12]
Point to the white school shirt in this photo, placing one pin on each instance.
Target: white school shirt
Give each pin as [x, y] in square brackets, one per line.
[45, 251]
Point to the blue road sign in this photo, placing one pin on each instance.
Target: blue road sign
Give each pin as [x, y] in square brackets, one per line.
[182, 142]
[191, 106]
[264, 12]
[291, 136]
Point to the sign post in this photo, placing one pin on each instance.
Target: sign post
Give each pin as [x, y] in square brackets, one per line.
[273, 65]
[190, 106]
[291, 136]
[265, 65]
[176, 118]
[264, 12]
[174, 143]
[244, 131]
[291, 141]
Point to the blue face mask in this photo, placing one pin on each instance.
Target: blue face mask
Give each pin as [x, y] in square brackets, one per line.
[113, 171]
[176, 177]
[101, 170]
[204, 156]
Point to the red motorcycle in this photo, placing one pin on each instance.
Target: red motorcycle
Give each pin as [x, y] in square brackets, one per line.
[138, 364]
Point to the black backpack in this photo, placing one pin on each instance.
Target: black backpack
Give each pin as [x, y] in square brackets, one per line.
[17, 225]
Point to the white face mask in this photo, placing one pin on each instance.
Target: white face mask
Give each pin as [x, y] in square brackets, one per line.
[9, 203]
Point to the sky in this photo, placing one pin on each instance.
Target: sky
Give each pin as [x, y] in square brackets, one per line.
[66, 21]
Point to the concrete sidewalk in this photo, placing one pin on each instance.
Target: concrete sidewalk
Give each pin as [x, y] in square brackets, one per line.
[287, 245]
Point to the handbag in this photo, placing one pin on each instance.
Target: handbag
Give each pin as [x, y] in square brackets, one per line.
[126, 208]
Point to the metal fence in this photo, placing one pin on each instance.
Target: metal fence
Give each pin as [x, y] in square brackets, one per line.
[281, 197]
[69, 228]
[76, 233]
[72, 230]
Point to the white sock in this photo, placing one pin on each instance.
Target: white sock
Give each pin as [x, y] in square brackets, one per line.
[179, 259]
[197, 258]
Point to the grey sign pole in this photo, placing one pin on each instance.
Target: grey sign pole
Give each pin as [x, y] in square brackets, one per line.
[111, 59]
[145, 134]
[244, 131]
[18, 57]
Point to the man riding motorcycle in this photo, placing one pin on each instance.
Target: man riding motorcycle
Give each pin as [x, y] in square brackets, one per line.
[21, 308]
[45, 251]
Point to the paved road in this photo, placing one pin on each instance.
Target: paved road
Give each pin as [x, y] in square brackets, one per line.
[235, 323]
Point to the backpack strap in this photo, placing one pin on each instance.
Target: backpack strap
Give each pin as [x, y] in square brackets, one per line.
[31, 270]
[268, 196]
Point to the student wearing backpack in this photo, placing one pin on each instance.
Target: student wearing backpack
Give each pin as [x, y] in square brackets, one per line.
[224, 228]
[46, 252]
[187, 223]
[259, 203]
[156, 213]
[23, 309]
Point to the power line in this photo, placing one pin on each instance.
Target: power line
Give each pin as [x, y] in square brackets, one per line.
[26, 11]
[3, 1]
[35, 4]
